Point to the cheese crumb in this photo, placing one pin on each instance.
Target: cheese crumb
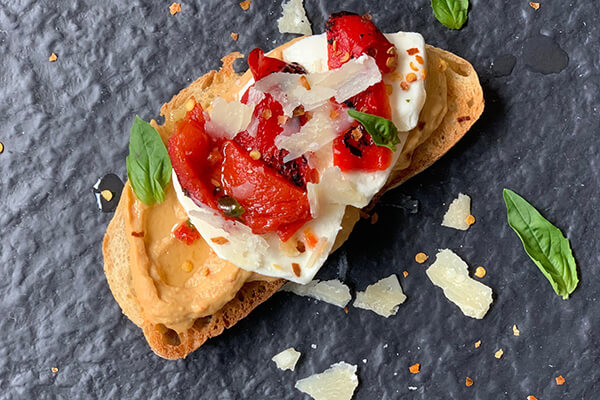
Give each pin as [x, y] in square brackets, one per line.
[415, 368]
[534, 5]
[336, 383]
[421, 258]
[516, 331]
[234, 35]
[560, 380]
[451, 273]
[382, 297]
[174, 8]
[287, 359]
[245, 5]
[458, 212]
[468, 382]
[499, 354]
[332, 292]
[293, 19]
[53, 57]
[477, 344]
[480, 272]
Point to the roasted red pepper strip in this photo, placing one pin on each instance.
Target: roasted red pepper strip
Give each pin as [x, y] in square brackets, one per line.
[271, 202]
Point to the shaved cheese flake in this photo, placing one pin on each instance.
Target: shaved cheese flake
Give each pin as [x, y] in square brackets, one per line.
[459, 210]
[228, 119]
[294, 18]
[333, 189]
[336, 383]
[451, 273]
[382, 297]
[287, 359]
[342, 83]
[332, 292]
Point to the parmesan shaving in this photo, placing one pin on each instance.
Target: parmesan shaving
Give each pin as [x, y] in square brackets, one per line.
[287, 359]
[382, 297]
[228, 119]
[459, 210]
[451, 273]
[342, 83]
[294, 18]
[336, 383]
[333, 188]
[332, 292]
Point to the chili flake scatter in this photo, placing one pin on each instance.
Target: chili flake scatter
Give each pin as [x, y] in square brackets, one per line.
[470, 220]
[235, 35]
[531, 397]
[560, 380]
[415, 368]
[411, 77]
[219, 240]
[534, 5]
[296, 269]
[53, 57]
[174, 8]
[54, 369]
[137, 234]
[516, 331]
[477, 344]
[468, 382]
[405, 273]
[421, 258]
[346, 310]
[480, 272]
[499, 354]
[245, 5]
[413, 51]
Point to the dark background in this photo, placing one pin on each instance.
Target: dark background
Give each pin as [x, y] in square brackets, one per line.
[65, 124]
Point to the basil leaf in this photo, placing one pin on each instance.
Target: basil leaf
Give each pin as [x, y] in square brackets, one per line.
[451, 13]
[544, 243]
[383, 131]
[148, 164]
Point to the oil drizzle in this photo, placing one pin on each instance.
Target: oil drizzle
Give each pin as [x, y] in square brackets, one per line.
[503, 65]
[542, 54]
[112, 183]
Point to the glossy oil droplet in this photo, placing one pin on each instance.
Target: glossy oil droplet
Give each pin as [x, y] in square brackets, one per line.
[542, 54]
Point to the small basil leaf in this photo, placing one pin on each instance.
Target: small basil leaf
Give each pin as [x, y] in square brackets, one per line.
[148, 164]
[230, 206]
[382, 131]
[544, 243]
[451, 13]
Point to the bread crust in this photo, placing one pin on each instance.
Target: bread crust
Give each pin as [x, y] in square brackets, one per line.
[465, 105]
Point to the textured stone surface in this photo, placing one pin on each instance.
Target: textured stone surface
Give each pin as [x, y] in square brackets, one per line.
[65, 124]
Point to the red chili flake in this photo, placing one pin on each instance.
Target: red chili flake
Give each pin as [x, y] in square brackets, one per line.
[463, 119]
[413, 51]
[421, 125]
[219, 240]
[137, 234]
[186, 232]
[296, 269]
[560, 380]
[404, 85]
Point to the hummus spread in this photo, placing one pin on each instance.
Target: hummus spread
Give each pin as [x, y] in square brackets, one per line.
[175, 283]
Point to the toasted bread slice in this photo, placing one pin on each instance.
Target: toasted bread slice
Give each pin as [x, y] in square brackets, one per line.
[464, 106]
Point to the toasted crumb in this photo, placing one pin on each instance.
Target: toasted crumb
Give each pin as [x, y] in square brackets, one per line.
[174, 8]
[411, 77]
[304, 82]
[499, 354]
[531, 397]
[480, 272]
[53, 57]
[255, 155]
[219, 240]
[516, 331]
[468, 382]
[245, 5]
[234, 35]
[415, 368]
[187, 266]
[405, 273]
[296, 269]
[54, 369]
[477, 344]
[107, 195]
[421, 258]
[470, 220]
[534, 5]
[560, 380]
[190, 104]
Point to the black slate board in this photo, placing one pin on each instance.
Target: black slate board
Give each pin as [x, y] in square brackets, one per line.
[65, 124]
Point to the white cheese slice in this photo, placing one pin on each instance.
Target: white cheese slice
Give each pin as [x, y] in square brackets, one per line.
[294, 18]
[451, 273]
[228, 119]
[382, 297]
[332, 292]
[287, 359]
[334, 189]
[336, 383]
[342, 83]
[458, 211]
